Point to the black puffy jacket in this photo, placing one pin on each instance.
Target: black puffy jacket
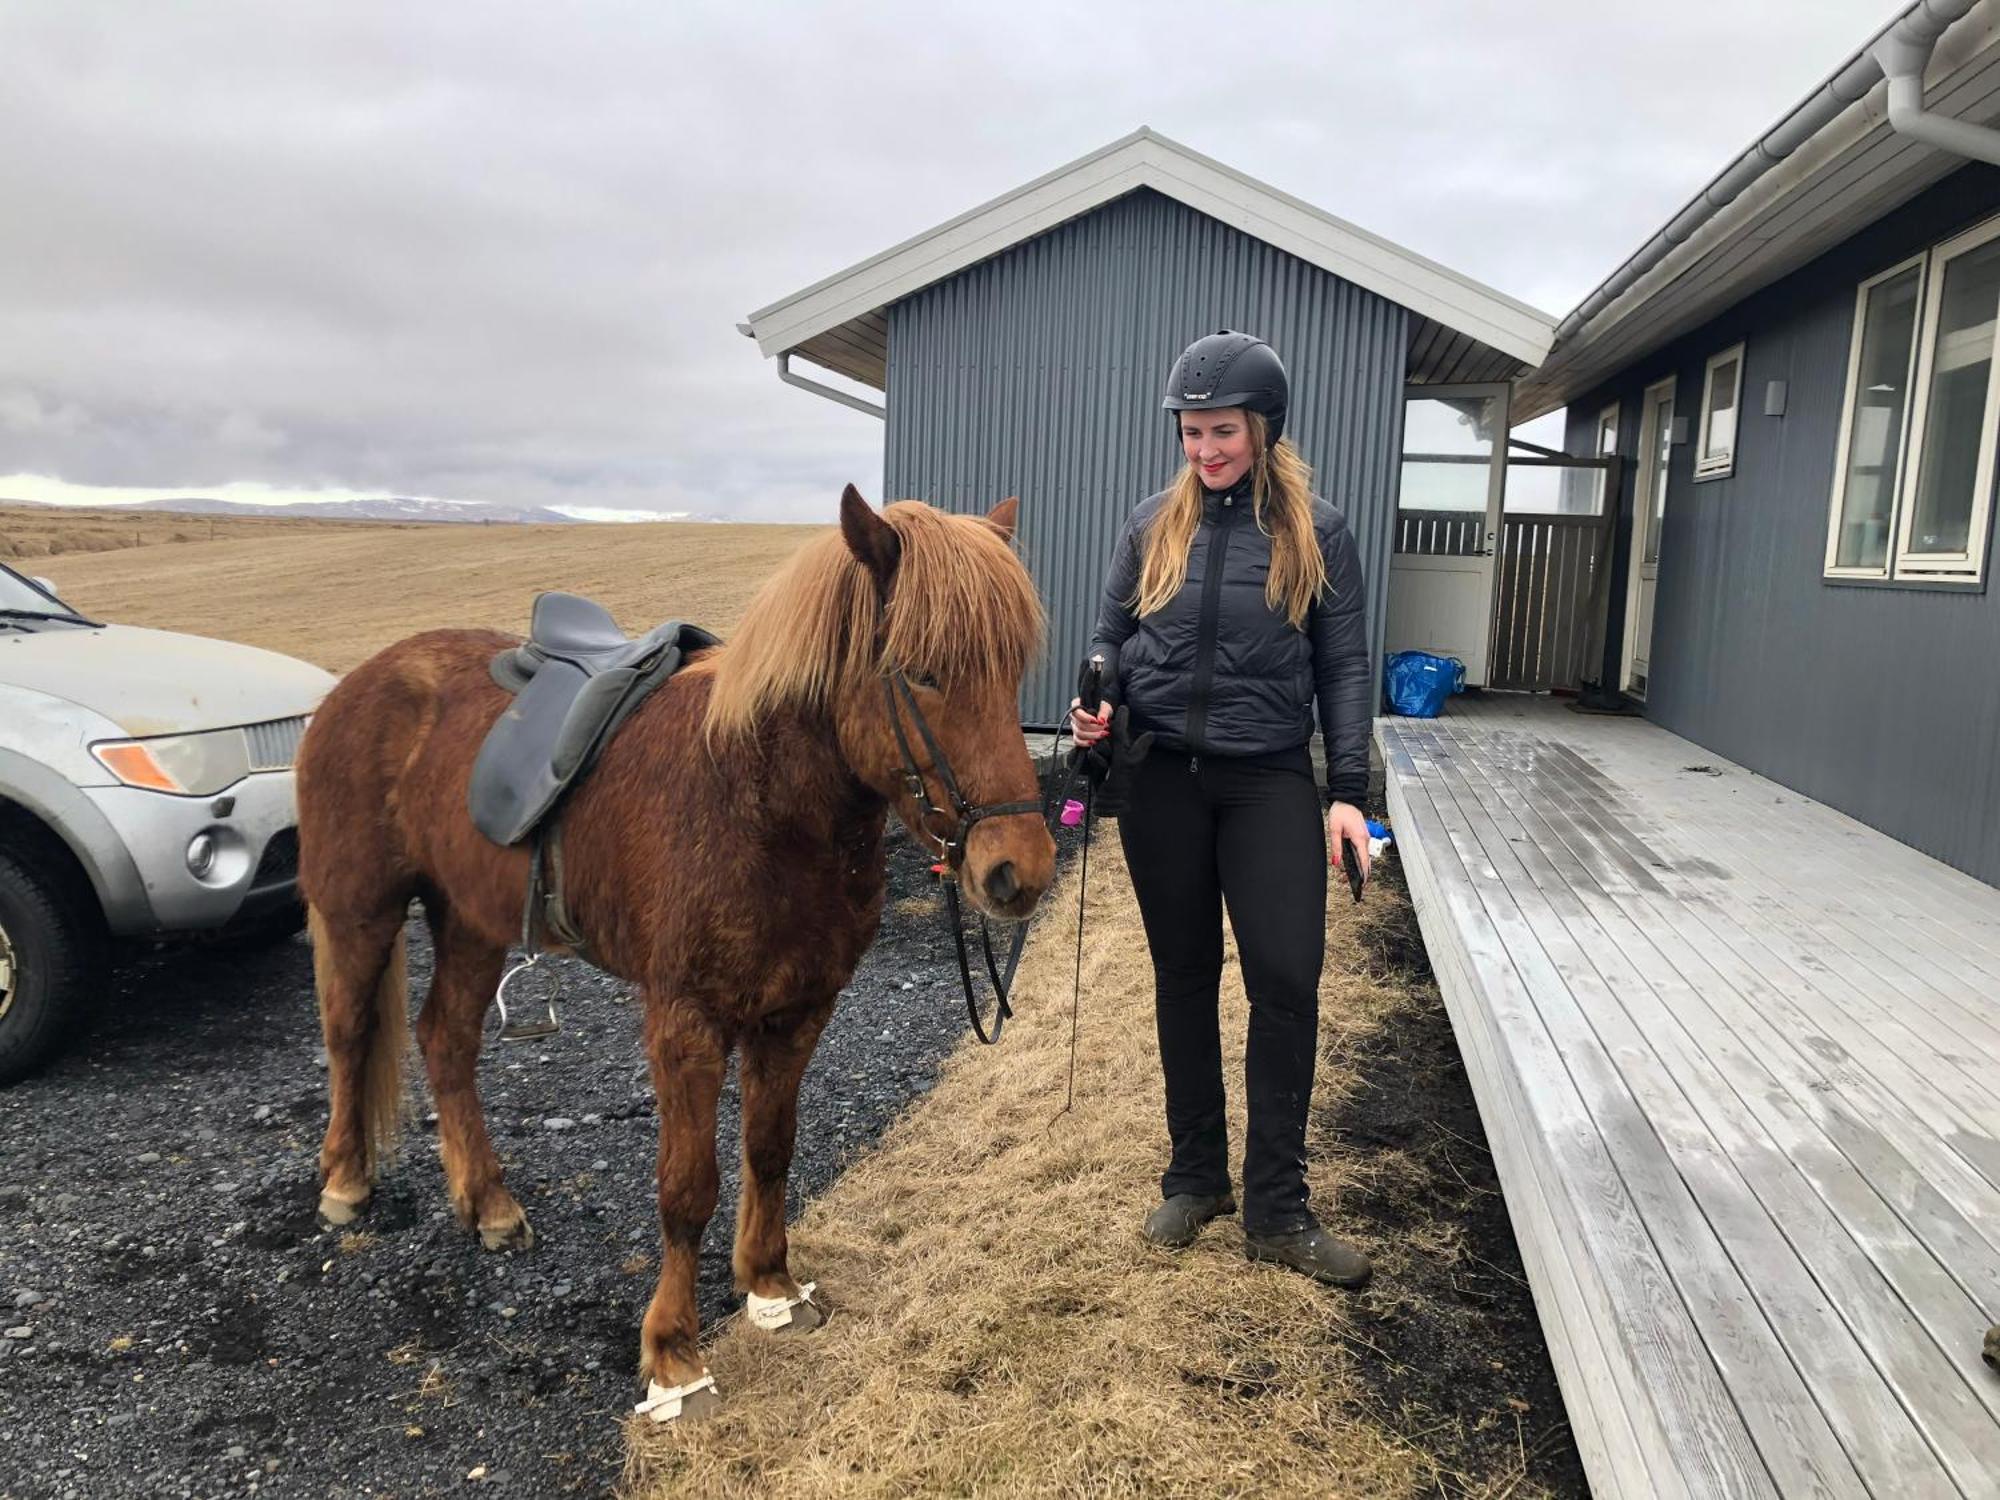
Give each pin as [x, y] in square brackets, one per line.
[1218, 671]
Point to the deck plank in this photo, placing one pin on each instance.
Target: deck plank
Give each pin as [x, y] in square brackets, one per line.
[1735, 1054]
[1900, 1304]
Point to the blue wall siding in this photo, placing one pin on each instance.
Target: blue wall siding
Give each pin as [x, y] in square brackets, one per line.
[1881, 700]
[1038, 373]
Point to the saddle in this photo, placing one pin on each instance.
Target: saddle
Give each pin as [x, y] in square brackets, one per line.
[575, 680]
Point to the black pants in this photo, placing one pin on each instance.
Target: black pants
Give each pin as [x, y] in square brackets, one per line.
[1251, 834]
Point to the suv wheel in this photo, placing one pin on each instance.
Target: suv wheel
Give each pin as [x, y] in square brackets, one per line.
[49, 966]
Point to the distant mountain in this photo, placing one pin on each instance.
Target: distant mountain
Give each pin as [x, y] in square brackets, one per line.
[391, 508]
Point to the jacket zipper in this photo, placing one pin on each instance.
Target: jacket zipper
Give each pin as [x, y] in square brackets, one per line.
[1206, 631]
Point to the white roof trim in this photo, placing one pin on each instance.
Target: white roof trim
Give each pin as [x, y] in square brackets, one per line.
[1147, 160]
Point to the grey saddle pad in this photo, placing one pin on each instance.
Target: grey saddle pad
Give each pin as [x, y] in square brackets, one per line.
[574, 680]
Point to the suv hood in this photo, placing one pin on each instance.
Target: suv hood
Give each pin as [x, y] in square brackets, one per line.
[151, 682]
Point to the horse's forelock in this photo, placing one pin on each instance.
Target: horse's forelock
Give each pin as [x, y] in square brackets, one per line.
[961, 607]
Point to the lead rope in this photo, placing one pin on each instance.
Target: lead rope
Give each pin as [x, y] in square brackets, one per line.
[1076, 992]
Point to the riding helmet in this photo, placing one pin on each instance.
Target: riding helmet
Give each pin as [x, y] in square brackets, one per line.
[1231, 369]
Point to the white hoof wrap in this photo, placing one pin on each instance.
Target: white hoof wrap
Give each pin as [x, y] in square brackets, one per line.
[664, 1402]
[774, 1314]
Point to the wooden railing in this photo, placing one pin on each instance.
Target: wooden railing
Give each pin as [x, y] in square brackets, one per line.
[1546, 590]
[1545, 593]
[1440, 533]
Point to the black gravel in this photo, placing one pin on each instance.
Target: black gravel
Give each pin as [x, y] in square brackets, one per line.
[176, 1323]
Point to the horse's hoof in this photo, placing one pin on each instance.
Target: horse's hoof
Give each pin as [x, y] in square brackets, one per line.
[337, 1213]
[519, 1235]
[693, 1402]
[784, 1317]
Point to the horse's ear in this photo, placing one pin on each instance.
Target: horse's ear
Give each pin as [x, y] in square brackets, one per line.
[1003, 516]
[872, 540]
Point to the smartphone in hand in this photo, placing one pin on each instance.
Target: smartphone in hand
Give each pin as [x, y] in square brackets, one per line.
[1351, 863]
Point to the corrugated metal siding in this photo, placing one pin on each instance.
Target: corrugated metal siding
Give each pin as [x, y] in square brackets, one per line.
[1883, 701]
[1038, 373]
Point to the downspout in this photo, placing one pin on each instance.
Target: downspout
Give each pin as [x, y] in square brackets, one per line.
[785, 374]
[1912, 34]
[1903, 60]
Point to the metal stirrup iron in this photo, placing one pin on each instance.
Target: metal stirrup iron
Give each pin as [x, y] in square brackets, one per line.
[530, 1027]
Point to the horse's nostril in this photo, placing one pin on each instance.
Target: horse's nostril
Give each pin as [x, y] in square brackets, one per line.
[1000, 882]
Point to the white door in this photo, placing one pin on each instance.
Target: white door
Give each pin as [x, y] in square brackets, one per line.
[1454, 483]
[1656, 436]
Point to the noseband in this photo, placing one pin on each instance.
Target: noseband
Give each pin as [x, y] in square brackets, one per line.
[965, 814]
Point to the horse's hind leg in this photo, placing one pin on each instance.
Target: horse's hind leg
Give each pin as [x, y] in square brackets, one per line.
[772, 1060]
[364, 1021]
[450, 1030]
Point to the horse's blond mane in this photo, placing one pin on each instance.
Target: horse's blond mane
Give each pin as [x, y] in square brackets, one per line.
[962, 610]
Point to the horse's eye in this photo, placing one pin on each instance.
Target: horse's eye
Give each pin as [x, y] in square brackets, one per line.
[922, 680]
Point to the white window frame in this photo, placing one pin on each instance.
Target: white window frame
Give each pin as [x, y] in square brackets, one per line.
[1609, 417]
[1723, 466]
[1837, 506]
[1956, 567]
[1607, 420]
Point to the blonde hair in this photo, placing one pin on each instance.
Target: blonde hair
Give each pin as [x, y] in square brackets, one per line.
[1281, 500]
[962, 610]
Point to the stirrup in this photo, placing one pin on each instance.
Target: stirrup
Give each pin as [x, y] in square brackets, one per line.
[528, 1028]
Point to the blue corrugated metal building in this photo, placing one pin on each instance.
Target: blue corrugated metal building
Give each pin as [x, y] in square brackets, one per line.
[1021, 349]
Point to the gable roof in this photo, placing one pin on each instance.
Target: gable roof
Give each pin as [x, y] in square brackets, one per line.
[1463, 330]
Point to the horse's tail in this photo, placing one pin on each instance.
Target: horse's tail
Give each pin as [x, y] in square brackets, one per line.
[389, 1036]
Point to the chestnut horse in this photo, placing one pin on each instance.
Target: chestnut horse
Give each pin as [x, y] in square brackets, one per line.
[725, 856]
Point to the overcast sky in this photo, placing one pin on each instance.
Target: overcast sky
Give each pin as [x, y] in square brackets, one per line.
[498, 251]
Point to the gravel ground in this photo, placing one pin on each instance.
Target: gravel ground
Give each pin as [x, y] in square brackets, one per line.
[176, 1324]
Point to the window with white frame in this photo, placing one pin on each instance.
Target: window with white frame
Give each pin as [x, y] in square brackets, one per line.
[1721, 399]
[1606, 446]
[1913, 479]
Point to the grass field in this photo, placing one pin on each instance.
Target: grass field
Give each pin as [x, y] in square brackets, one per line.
[334, 592]
[998, 1327]
[28, 532]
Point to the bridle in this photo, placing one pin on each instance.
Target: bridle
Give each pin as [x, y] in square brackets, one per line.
[964, 815]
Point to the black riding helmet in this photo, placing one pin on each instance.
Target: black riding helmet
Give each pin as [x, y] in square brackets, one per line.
[1231, 369]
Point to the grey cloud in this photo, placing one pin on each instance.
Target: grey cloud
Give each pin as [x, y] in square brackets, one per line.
[498, 251]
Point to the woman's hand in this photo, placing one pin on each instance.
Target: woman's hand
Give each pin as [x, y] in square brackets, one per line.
[1089, 728]
[1344, 821]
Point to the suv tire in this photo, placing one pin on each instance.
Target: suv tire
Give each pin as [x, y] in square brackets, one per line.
[51, 961]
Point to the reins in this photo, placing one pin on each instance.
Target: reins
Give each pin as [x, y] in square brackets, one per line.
[899, 696]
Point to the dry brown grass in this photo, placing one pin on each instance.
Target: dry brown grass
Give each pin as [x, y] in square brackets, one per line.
[30, 532]
[998, 1327]
[336, 593]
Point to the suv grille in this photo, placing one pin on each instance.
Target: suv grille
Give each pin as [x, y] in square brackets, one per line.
[274, 745]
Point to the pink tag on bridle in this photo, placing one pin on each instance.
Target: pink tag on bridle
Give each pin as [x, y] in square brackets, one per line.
[1072, 813]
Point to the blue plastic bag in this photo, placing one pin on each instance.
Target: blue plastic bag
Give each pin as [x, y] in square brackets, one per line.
[1418, 682]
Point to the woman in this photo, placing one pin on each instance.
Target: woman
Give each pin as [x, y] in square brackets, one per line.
[1234, 602]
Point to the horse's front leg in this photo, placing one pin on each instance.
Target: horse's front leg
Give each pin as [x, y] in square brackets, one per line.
[774, 1056]
[687, 1052]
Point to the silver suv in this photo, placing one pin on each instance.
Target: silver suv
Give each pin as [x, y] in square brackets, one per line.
[145, 792]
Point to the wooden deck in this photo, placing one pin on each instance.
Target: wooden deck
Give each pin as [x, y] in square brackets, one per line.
[1739, 1062]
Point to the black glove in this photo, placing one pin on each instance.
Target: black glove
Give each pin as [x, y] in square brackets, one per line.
[1111, 761]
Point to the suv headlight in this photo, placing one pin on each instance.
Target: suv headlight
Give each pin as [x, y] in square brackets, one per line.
[189, 765]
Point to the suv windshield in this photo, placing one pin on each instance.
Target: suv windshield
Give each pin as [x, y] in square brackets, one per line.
[17, 594]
